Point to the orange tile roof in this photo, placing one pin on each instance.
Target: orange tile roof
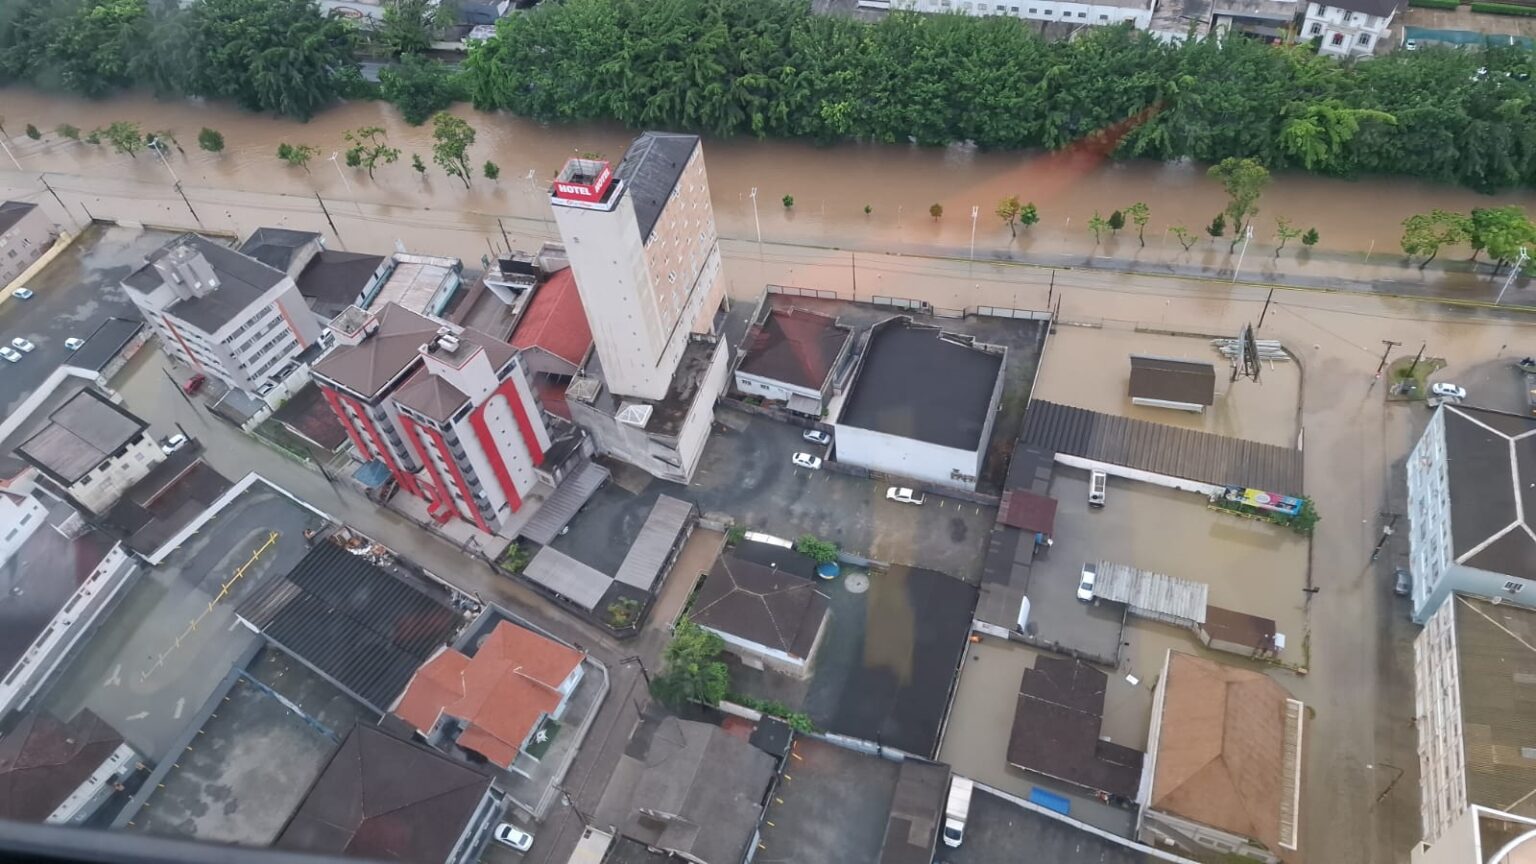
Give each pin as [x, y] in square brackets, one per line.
[555, 320]
[500, 693]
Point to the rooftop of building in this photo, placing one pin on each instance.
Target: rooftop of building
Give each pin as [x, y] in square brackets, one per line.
[650, 170]
[1370, 7]
[43, 760]
[40, 578]
[1491, 472]
[1056, 729]
[79, 435]
[1221, 751]
[333, 280]
[309, 416]
[668, 413]
[417, 281]
[711, 782]
[393, 346]
[917, 809]
[1172, 380]
[356, 622]
[795, 346]
[105, 343]
[277, 247]
[431, 395]
[555, 320]
[242, 281]
[1266, 10]
[388, 800]
[761, 604]
[500, 694]
[167, 499]
[1496, 665]
[922, 383]
[12, 212]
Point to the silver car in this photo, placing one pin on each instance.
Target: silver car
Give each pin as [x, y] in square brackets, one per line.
[1085, 585]
[10, 354]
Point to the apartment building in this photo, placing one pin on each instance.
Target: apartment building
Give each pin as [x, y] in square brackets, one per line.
[91, 450]
[447, 409]
[645, 255]
[223, 313]
[25, 234]
[1349, 28]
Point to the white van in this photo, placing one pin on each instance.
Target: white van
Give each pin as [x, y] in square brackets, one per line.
[1098, 482]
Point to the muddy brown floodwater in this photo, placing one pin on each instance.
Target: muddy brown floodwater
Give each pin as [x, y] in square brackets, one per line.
[831, 185]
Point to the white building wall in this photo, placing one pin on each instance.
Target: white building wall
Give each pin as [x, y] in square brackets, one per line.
[19, 517]
[100, 489]
[1344, 33]
[1101, 14]
[695, 432]
[1437, 713]
[768, 388]
[23, 243]
[907, 457]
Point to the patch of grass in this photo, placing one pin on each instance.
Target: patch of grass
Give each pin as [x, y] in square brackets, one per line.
[797, 720]
[549, 730]
[622, 613]
[278, 436]
[513, 559]
[1407, 381]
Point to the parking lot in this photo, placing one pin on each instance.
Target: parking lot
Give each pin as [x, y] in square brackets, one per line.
[253, 761]
[997, 830]
[1090, 367]
[1250, 566]
[160, 655]
[75, 293]
[832, 805]
[976, 739]
[746, 473]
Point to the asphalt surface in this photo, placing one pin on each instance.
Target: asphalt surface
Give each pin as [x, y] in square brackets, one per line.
[75, 293]
[997, 830]
[833, 807]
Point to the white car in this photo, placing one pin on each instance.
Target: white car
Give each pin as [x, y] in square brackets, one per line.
[23, 294]
[23, 345]
[173, 443]
[903, 495]
[1411, 45]
[1448, 390]
[512, 836]
[816, 436]
[10, 354]
[73, 343]
[1085, 586]
[806, 460]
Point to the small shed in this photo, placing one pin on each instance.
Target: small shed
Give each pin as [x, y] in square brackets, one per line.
[1168, 382]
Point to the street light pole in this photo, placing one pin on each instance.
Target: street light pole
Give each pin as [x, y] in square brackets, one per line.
[160, 151]
[5, 145]
[758, 224]
[1247, 238]
[975, 211]
[342, 174]
[1513, 272]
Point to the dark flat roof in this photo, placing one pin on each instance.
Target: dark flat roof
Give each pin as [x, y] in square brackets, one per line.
[39, 579]
[795, 346]
[333, 280]
[275, 247]
[1056, 729]
[242, 280]
[167, 499]
[772, 608]
[916, 813]
[650, 170]
[353, 621]
[43, 760]
[1162, 449]
[1172, 380]
[79, 435]
[105, 343]
[388, 800]
[1490, 463]
[12, 212]
[918, 382]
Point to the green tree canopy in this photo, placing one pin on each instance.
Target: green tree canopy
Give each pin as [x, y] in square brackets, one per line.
[419, 87]
[369, 149]
[693, 671]
[1008, 210]
[451, 139]
[1425, 233]
[281, 56]
[1501, 232]
[1244, 180]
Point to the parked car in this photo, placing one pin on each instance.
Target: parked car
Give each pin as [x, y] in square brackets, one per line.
[1085, 585]
[1402, 582]
[806, 460]
[23, 294]
[10, 354]
[816, 436]
[173, 443]
[73, 343]
[903, 495]
[1098, 484]
[22, 345]
[1447, 390]
[513, 836]
[195, 383]
[1411, 45]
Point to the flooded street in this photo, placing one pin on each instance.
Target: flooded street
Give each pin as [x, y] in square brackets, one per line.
[831, 186]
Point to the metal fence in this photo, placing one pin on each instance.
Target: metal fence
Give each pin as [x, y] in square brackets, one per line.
[1006, 312]
[792, 291]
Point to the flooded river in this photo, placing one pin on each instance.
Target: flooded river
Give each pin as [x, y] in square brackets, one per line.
[831, 186]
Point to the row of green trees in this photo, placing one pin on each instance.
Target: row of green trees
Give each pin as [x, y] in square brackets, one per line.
[1500, 232]
[769, 68]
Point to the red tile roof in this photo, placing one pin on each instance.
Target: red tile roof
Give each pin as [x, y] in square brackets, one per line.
[555, 320]
[500, 693]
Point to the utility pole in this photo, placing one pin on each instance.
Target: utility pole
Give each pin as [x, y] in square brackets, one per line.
[1388, 350]
[1247, 238]
[853, 261]
[1416, 358]
[342, 174]
[1513, 272]
[184, 200]
[1268, 298]
[44, 179]
[504, 238]
[975, 211]
[179, 391]
[160, 151]
[4, 145]
[328, 217]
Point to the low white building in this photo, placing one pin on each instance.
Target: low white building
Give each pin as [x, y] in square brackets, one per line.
[791, 357]
[1138, 13]
[1349, 28]
[91, 450]
[25, 234]
[224, 314]
[921, 405]
[1472, 508]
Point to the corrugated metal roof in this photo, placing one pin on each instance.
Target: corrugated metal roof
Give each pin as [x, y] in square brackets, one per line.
[568, 577]
[1147, 592]
[1159, 449]
[353, 621]
[653, 547]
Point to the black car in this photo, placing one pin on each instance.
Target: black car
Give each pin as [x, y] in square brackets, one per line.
[1402, 582]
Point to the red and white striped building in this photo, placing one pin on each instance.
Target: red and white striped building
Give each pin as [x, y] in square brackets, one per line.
[447, 409]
